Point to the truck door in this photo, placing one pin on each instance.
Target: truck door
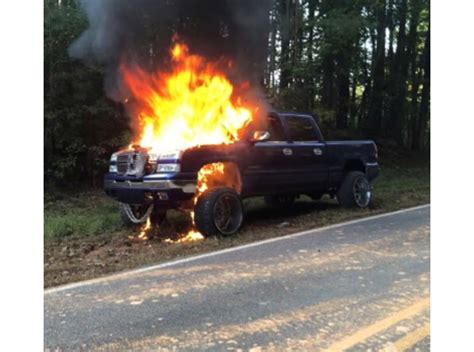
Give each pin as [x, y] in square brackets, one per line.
[270, 165]
[309, 153]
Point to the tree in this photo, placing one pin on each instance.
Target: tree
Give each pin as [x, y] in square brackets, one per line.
[361, 66]
[374, 123]
[81, 126]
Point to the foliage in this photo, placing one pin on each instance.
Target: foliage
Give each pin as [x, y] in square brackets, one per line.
[81, 126]
[362, 66]
[87, 214]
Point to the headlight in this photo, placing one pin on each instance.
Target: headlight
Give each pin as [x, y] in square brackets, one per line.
[113, 168]
[113, 157]
[168, 168]
[171, 155]
[152, 158]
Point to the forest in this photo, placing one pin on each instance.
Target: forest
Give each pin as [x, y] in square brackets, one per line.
[361, 67]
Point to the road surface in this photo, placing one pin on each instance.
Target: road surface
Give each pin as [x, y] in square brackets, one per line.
[362, 285]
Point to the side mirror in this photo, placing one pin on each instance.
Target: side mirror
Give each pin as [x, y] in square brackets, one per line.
[260, 136]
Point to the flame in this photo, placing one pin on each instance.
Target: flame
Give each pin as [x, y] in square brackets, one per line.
[206, 176]
[210, 175]
[144, 231]
[208, 172]
[191, 236]
[191, 105]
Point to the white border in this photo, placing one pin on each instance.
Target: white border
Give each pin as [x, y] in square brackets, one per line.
[127, 273]
[452, 172]
[21, 175]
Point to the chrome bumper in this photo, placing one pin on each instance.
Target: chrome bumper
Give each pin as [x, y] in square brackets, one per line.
[187, 186]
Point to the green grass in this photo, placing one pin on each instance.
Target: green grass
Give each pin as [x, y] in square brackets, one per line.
[87, 214]
[402, 185]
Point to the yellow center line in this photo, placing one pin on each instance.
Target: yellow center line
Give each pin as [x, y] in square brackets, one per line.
[381, 325]
[412, 338]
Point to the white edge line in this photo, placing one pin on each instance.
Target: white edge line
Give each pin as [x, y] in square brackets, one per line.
[223, 251]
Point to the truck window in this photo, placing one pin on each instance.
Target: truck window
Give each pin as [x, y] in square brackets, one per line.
[276, 129]
[301, 129]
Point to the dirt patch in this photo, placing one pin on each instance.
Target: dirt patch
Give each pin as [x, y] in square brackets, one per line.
[77, 258]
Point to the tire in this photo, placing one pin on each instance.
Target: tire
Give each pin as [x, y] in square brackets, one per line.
[280, 201]
[355, 191]
[136, 215]
[218, 211]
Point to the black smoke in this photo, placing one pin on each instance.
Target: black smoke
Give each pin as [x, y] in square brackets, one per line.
[142, 30]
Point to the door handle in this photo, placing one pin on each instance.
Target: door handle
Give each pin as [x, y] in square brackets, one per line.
[287, 151]
[318, 151]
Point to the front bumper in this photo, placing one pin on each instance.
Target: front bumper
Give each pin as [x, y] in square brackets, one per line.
[149, 190]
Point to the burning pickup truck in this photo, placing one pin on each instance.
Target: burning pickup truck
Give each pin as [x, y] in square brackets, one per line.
[287, 158]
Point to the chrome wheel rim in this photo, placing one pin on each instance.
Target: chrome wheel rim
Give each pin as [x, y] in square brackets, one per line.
[137, 214]
[227, 214]
[362, 192]
[139, 211]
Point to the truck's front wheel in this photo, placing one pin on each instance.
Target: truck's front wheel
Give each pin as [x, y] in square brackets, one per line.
[355, 191]
[218, 211]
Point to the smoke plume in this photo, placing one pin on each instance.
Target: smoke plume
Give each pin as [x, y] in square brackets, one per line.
[142, 30]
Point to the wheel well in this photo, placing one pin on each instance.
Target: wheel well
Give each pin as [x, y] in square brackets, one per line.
[220, 174]
[354, 165]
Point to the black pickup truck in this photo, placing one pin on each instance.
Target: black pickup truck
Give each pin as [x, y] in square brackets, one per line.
[282, 160]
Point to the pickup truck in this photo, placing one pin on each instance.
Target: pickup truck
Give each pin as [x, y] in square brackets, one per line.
[284, 158]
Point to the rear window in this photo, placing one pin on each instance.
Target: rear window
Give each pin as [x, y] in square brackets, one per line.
[275, 128]
[301, 129]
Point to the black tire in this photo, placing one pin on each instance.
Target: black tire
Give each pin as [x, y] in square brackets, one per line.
[218, 211]
[280, 201]
[157, 216]
[355, 191]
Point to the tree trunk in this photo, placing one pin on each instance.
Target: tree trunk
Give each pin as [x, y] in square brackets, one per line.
[378, 74]
[412, 55]
[284, 11]
[424, 113]
[272, 53]
[328, 95]
[343, 84]
[310, 78]
[399, 74]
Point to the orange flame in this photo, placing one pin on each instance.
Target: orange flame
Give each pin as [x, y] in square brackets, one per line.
[206, 175]
[144, 231]
[193, 104]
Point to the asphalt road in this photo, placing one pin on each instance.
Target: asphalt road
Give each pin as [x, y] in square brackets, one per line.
[362, 285]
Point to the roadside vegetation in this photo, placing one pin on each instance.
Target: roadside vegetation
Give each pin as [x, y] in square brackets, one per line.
[362, 68]
[331, 64]
[84, 237]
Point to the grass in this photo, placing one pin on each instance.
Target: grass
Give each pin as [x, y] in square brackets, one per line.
[86, 214]
[84, 237]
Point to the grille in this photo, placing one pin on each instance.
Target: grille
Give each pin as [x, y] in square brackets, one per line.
[132, 163]
[122, 163]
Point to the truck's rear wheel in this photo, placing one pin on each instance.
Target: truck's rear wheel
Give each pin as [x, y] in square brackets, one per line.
[136, 215]
[355, 191]
[218, 211]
